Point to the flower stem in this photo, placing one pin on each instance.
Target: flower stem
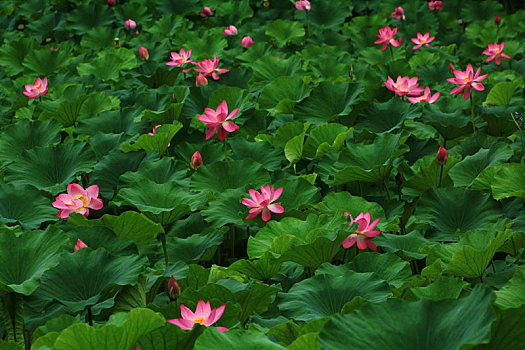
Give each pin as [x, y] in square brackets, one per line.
[307, 25]
[162, 237]
[386, 189]
[391, 52]
[89, 316]
[472, 112]
[225, 150]
[440, 175]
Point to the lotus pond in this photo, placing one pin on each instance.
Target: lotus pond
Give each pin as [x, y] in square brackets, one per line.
[247, 174]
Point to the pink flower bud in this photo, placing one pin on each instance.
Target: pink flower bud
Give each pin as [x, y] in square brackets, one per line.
[173, 288]
[111, 2]
[206, 11]
[143, 53]
[53, 48]
[79, 245]
[230, 30]
[196, 160]
[247, 41]
[451, 68]
[497, 20]
[302, 5]
[442, 155]
[130, 24]
[201, 80]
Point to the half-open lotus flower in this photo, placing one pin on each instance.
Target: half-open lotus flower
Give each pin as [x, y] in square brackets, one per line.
[39, 88]
[206, 11]
[219, 120]
[210, 68]
[387, 37]
[263, 202]
[404, 86]
[398, 13]
[230, 30]
[203, 315]
[365, 231]
[78, 200]
[302, 5]
[467, 81]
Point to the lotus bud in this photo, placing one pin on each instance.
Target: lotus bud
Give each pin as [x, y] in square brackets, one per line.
[79, 245]
[497, 20]
[143, 53]
[130, 24]
[399, 179]
[173, 288]
[442, 155]
[196, 160]
[247, 41]
[451, 68]
[111, 2]
[53, 48]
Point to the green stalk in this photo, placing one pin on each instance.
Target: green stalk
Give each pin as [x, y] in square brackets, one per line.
[162, 237]
[307, 25]
[232, 230]
[472, 112]
[89, 316]
[225, 149]
[391, 52]
[441, 174]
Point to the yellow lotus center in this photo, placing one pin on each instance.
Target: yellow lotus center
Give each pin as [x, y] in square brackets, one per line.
[496, 51]
[37, 87]
[84, 200]
[466, 79]
[423, 41]
[199, 320]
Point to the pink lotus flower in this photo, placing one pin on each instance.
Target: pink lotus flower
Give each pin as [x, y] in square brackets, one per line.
[219, 120]
[39, 88]
[173, 288]
[467, 80]
[442, 155]
[427, 96]
[201, 80]
[196, 160]
[435, 5]
[404, 86]
[262, 202]
[206, 11]
[398, 13]
[77, 200]
[208, 67]
[365, 231]
[230, 30]
[247, 41]
[180, 59]
[143, 53]
[154, 130]
[387, 36]
[79, 245]
[302, 5]
[495, 52]
[422, 40]
[130, 24]
[203, 315]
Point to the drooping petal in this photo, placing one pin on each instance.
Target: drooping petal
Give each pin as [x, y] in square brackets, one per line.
[276, 208]
[210, 132]
[266, 215]
[95, 203]
[361, 242]
[182, 323]
[371, 245]
[230, 126]
[222, 133]
[349, 241]
[222, 329]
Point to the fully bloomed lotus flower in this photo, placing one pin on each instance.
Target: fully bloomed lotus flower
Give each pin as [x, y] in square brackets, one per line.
[219, 120]
[262, 202]
[203, 315]
[404, 86]
[365, 231]
[180, 59]
[230, 30]
[39, 88]
[422, 40]
[387, 37]
[208, 67]
[398, 13]
[467, 81]
[435, 5]
[79, 245]
[77, 200]
[495, 52]
[247, 41]
[130, 24]
[427, 97]
[302, 5]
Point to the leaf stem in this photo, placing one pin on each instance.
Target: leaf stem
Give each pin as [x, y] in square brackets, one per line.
[89, 316]
[162, 237]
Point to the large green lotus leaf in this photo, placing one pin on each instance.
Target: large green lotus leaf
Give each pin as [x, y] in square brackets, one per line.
[262, 269]
[236, 339]
[509, 181]
[220, 176]
[471, 255]
[24, 258]
[293, 150]
[466, 171]
[508, 330]
[388, 267]
[370, 162]
[449, 211]
[158, 142]
[344, 201]
[279, 236]
[385, 117]
[268, 67]
[328, 102]
[89, 16]
[51, 169]
[12, 55]
[103, 144]
[193, 247]
[325, 138]
[167, 116]
[444, 288]
[428, 175]
[164, 203]
[261, 152]
[325, 295]
[68, 112]
[27, 134]
[284, 31]
[46, 62]
[4, 345]
[108, 64]
[324, 18]
[56, 325]
[157, 170]
[408, 244]
[98, 38]
[114, 122]
[130, 225]
[82, 277]
[281, 95]
[109, 169]
[170, 337]
[227, 208]
[235, 97]
[449, 118]
[297, 193]
[398, 324]
[501, 93]
[161, 76]
[99, 102]
[98, 237]
[24, 205]
[287, 131]
[121, 332]
[512, 295]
